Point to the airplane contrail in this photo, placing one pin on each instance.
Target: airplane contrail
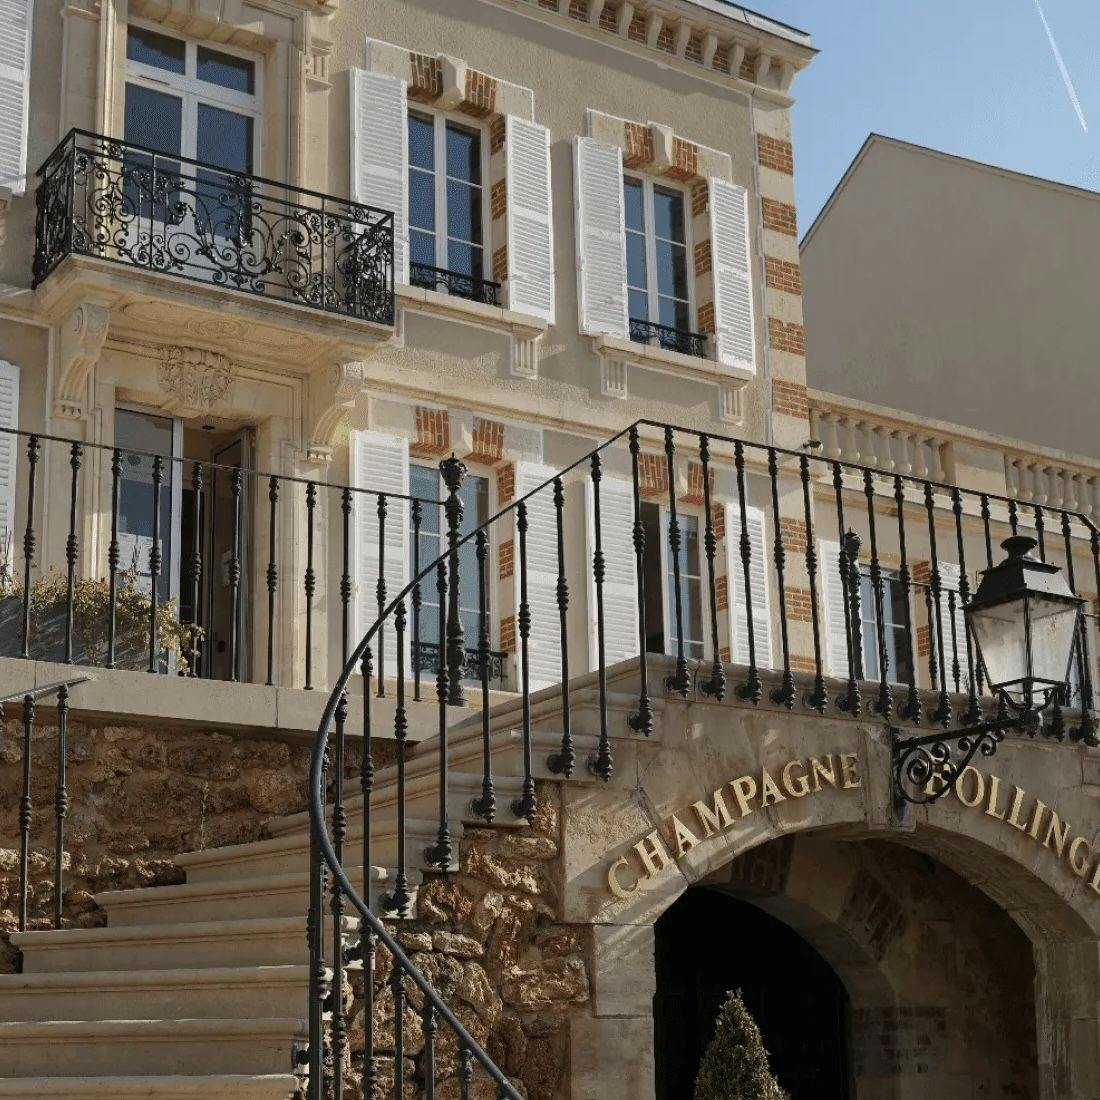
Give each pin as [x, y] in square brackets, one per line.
[1067, 80]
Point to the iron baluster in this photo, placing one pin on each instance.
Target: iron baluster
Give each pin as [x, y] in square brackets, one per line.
[942, 713]
[600, 763]
[370, 1063]
[72, 545]
[465, 1073]
[973, 713]
[366, 936]
[884, 705]
[154, 564]
[397, 987]
[1013, 518]
[485, 806]
[439, 854]
[563, 763]
[850, 700]
[751, 689]
[956, 667]
[911, 709]
[195, 565]
[679, 681]
[716, 685]
[986, 531]
[398, 899]
[417, 596]
[1040, 532]
[236, 491]
[345, 574]
[452, 470]
[427, 1062]
[524, 806]
[272, 573]
[642, 721]
[30, 541]
[310, 581]
[113, 558]
[818, 698]
[786, 693]
[339, 830]
[26, 809]
[1086, 731]
[366, 768]
[380, 593]
[314, 932]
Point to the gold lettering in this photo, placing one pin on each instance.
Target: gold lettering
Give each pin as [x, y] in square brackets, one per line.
[849, 770]
[769, 792]
[685, 838]
[796, 786]
[613, 883]
[744, 788]
[1036, 818]
[991, 805]
[1014, 813]
[979, 787]
[1080, 865]
[1058, 829]
[654, 858]
[1095, 884]
[823, 769]
[713, 818]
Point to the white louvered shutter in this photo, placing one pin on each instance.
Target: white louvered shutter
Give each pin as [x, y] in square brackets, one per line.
[529, 217]
[729, 231]
[949, 582]
[544, 643]
[379, 463]
[9, 462]
[15, 82]
[380, 154]
[620, 588]
[601, 237]
[758, 576]
[832, 601]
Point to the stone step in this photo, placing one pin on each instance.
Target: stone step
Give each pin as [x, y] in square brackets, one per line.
[285, 895]
[275, 1086]
[151, 1047]
[270, 941]
[240, 992]
[290, 852]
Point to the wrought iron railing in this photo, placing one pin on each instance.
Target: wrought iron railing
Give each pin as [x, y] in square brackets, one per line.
[427, 657]
[682, 340]
[915, 537]
[455, 283]
[132, 205]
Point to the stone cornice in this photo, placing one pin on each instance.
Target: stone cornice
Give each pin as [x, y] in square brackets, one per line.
[713, 45]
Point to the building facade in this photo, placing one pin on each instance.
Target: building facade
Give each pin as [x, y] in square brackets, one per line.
[435, 376]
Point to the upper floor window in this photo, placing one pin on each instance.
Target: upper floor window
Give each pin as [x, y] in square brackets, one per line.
[446, 206]
[658, 288]
[895, 645]
[660, 583]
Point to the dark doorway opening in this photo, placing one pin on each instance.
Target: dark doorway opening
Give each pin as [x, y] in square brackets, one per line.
[708, 943]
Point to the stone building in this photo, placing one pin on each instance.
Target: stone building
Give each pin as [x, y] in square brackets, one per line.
[433, 376]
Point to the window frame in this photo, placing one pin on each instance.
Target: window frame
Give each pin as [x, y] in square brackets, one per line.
[869, 617]
[440, 119]
[649, 187]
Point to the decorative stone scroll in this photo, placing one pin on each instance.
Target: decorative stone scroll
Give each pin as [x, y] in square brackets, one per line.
[194, 379]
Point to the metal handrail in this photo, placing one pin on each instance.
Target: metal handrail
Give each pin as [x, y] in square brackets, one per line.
[46, 689]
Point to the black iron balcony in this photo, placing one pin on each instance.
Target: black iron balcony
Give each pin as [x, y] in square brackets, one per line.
[131, 205]
[455, 283]
[671, 339]
[427, 661]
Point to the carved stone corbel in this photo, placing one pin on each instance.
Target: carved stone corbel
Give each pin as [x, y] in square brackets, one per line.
[83, 333]
[332, 394]
[613, 378]
[193, 380]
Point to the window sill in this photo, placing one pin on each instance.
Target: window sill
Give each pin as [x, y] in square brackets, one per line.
[439, 304]
[674, 362]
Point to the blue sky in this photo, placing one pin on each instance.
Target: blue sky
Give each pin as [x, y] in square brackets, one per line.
[972, 77]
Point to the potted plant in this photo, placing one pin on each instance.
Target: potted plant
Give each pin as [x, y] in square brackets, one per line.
[735, 1064]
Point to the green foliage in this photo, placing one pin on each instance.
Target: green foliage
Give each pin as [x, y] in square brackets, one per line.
[735, 1063]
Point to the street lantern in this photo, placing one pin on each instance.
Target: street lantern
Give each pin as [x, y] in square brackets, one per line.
[1024, 620]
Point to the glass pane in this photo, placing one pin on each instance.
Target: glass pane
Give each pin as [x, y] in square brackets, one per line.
[671, 269]
[463, 154]
[424, 483]
[153, 119]
[421, 151]
[463, 212]
[654, 586]
[422, 200]
[159, 50]
[464, 258]
[422, 248]
[227, 71]
[224, 139]
[634, 199]
[668, 214]
[635, 261]
[674, 314]
[638, 304]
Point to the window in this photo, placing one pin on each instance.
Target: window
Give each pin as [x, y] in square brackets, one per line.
[658, 291]
[446, 206]
[660, 583]
[898, 659]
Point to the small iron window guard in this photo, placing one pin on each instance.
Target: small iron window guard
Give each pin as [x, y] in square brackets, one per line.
[455, 283]
[128, 204]
[671, 339]
[427, 661]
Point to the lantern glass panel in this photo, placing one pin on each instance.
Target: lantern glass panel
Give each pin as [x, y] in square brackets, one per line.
[1001, 635]
[1053, 628]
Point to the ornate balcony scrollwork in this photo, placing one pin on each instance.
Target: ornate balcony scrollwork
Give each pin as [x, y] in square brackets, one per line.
[455, 283]
[671, 339]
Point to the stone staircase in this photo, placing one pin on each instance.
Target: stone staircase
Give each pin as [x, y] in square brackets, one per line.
[203, 986]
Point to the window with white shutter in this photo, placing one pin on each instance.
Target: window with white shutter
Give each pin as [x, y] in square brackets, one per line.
[601, 237]
[620, 587]
[758, 578]
[379, 463]
[529, 218]
[380, 154]
[9, 462]
[15, 82]
[544, 643]
[733, 313]
[832, 591]
[952, 628]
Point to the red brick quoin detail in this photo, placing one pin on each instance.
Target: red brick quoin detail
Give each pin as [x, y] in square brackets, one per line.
[480, 95]
[433, 433]
[426, 77]
[507, 557]
[488, 442]
[685, 160]
[786, 336]
[508, 634]
[780, 216]
[639, 145]
[789, 398]
[783, 275]
[775, 154]
[652, 475]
